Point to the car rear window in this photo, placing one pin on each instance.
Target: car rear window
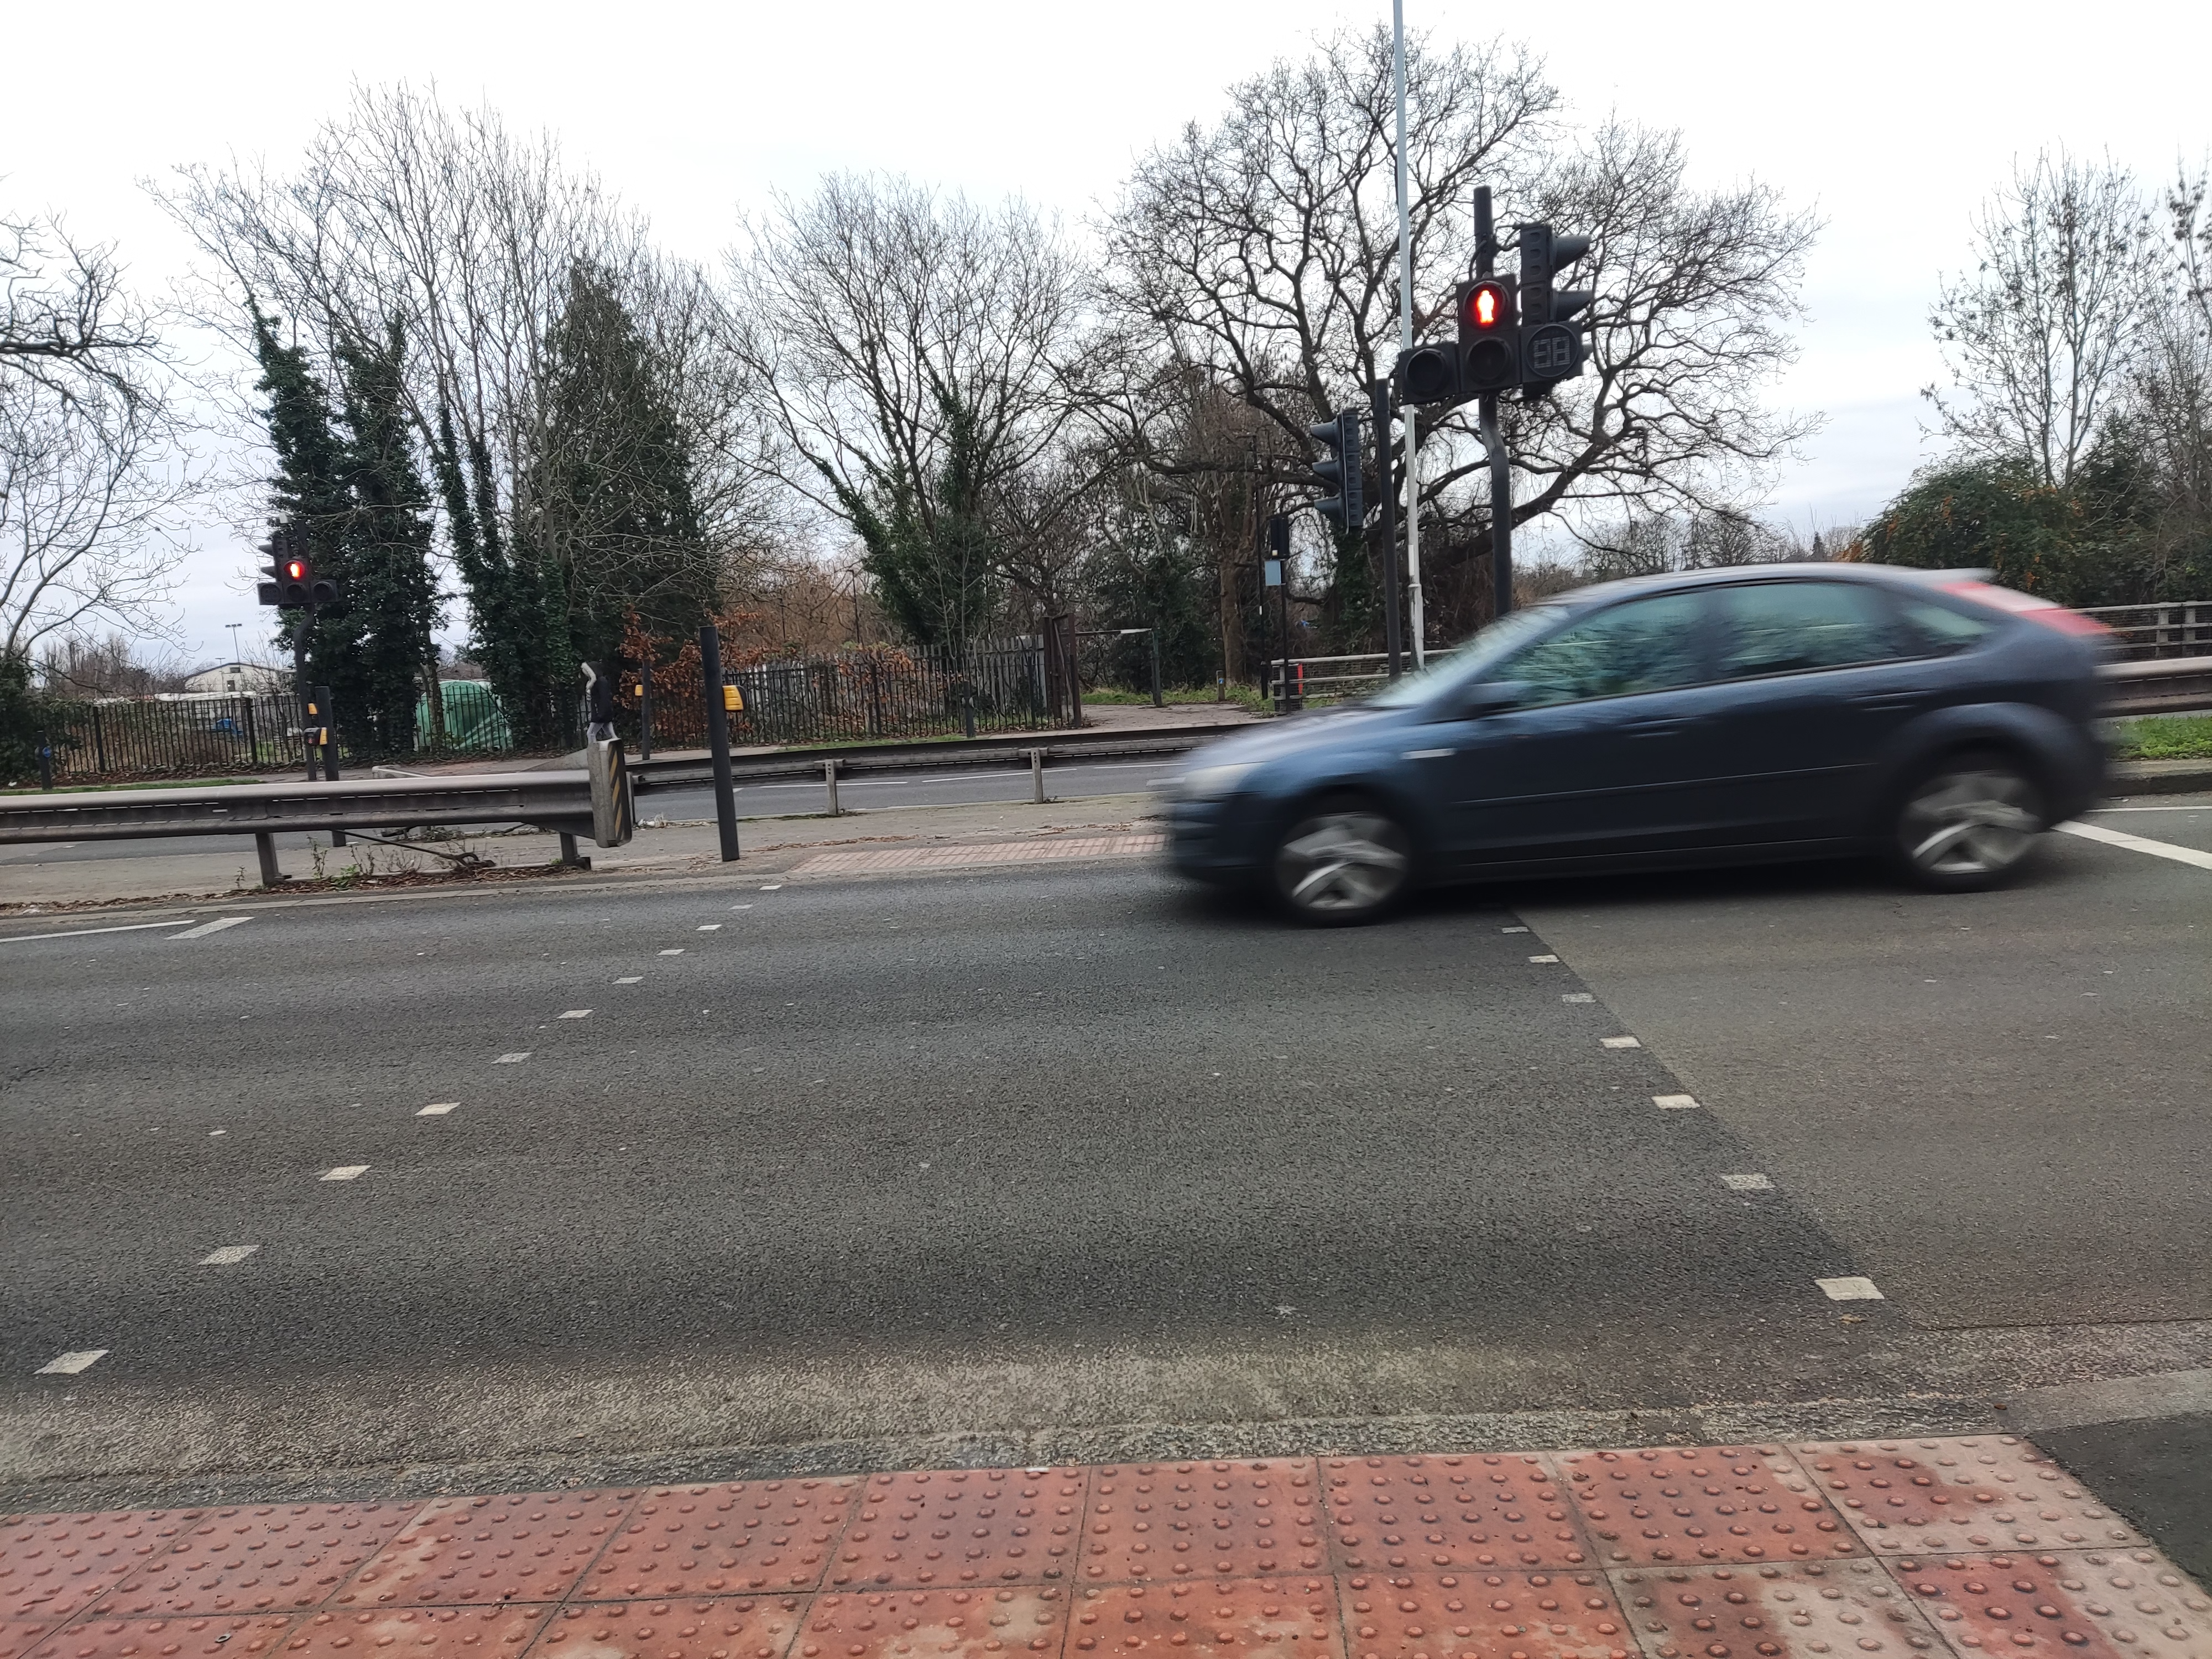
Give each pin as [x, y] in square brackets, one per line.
[1786, 627]
[1943, 630]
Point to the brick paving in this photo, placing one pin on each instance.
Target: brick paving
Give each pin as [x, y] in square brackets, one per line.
[1966, 1547]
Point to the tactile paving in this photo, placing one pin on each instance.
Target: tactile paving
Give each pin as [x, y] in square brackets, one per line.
[1430, 1514]
[924, 1624]
[1293, 1617]
[2099, 1603]
[414, 1633]
[1992, 1492]
[964, 1526]
[1493, 1615]
[1655, 1507]
[1846, 1607]
[522, 1547]
[211, 1635]
[736, 1536]
[19, 1636]
[259, 1558]
[1250, 1518]
[54, 1565]
[704, 1627]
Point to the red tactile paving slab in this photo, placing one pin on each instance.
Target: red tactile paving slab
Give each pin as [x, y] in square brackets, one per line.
[1429, 1513]
[1844, 1607]
[2101, 1604]
[414, 1633]
[54, 1565]
[736, 1536]
[19, 1636]
[1992, 1492]
[267, 1558]
[923, 1624]
[1252, 1518]
[521, 1546]
[1494, 1615]
[1293, 1617]
[1691, 1505]
[224, 1635]
[704, 1627]
[964, 1526]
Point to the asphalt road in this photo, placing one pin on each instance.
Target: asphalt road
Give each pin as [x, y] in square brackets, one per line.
[1024, 1164]
[957, 787]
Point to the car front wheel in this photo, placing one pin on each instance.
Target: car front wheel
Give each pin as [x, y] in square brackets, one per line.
[1341, 862]
[1967, 823]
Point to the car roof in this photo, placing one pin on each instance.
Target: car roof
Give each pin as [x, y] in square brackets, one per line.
[1885, 576]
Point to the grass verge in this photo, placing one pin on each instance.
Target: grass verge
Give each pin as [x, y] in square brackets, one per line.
[2164, 736]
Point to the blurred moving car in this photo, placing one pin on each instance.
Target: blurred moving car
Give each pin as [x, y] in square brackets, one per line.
[1718, 716]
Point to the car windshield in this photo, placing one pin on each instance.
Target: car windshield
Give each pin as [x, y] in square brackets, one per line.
[1470, 661]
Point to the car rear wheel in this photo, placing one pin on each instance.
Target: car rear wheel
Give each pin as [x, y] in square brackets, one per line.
[1343, 861]
[1967, 823]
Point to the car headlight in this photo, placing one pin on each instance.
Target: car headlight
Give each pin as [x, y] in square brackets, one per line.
[1212, 782]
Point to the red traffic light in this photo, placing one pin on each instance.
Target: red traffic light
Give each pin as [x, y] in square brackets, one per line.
[296, 569]
[1488, 308]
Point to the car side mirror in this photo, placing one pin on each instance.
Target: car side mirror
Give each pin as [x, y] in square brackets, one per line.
[1490, 697]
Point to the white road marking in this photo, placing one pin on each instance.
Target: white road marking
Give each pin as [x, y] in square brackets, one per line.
[2163, 849]
[1747, 1184]
[1577, 996]
[1622, 1043]
[678, 951]
[577, 1013]
[2147, 809]
[83, 933]
[229, 1255]
[1850, 1288]
[214, 927]
[438, 1108]
[515, 1059]
[741, 907]
[69, 1364]
[213, 1133]
[710, 927]
[1543, 959]
[1513, 930]
[1675, 1102]
[632, 979]
[345, 1172]
[773, 887]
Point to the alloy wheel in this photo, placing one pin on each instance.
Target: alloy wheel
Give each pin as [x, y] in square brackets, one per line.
[1343, 865]
[1969, 824]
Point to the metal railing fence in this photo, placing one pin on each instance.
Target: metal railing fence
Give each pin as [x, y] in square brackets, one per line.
[2177, 628]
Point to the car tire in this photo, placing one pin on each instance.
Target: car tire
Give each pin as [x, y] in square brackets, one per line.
[1341, 861]
[1967, 822]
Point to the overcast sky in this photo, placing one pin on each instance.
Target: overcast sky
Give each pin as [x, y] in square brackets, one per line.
[1892, 120]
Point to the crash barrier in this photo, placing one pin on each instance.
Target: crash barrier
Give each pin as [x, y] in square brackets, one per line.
[593, 802]
[667, 771]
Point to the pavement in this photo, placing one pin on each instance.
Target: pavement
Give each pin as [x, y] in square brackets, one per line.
[1011, 1161]
[1950, 1547]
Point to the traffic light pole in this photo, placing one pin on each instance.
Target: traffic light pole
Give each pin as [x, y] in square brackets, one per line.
[1379, 395]
[1501, 509]
[718, 738]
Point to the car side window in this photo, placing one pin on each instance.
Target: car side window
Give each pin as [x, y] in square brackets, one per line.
[1645, 645]
[1943, 630]
[1786, 627]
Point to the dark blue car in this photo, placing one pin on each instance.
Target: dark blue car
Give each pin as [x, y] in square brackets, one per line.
[1780, 712]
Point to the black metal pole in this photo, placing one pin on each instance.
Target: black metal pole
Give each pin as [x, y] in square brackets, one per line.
[645, 710]
[303, 695]
[1394, 574]
[718, 740]
[330, 730]
[1493, 440]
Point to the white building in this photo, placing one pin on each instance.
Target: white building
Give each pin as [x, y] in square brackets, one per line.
[236, 679]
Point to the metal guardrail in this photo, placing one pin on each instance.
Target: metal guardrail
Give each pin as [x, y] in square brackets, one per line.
[558, 801]
[2172, 628]
[2165, 686]
[666, 771]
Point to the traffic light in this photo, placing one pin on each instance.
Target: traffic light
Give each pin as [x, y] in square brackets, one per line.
[1489, 357]
[295, 585]
[1339, 470]
[1551, 342]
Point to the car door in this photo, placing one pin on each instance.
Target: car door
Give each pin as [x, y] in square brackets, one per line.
[1818, 675]
[1609, 749]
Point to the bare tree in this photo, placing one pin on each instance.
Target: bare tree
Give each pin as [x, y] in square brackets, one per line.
[2041, 337]
[91, 470]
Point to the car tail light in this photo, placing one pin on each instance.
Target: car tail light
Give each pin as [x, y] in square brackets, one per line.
[2026, 604]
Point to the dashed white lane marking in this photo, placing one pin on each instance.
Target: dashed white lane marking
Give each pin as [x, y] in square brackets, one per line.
[773, 887]
[346, 1172]
[1675, 1102]
[741, 907]
[515, 1059]
[632, 979]
[82, 932]
[1578, 996]
[1850, 1288]
[2163, 849]
[678, 951]
[214, 927]
[1747, 1184]
[1543, 959]
[69, 1364]
[710, 927]
[577, 1013]
[229, 1255]
[1513, 930]
[1622, 1043]
[438, 1108]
